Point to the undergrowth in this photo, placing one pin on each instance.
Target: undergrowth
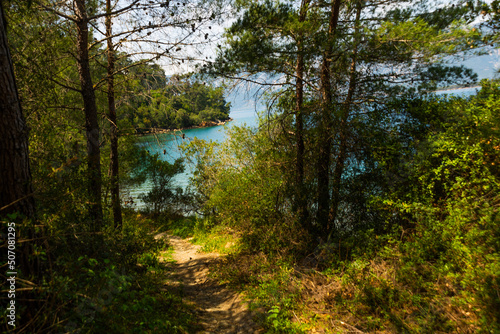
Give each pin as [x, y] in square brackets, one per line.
[220, 239]
[383, 285]
[105, 283]
[271, 289]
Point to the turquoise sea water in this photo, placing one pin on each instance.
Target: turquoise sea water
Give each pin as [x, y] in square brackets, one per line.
[464, 92]
[243, 111]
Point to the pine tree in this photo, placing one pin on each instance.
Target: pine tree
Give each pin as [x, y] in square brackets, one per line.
[16, 192]
[358, 56]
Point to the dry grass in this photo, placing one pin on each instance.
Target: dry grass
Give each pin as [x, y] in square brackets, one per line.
[341, 304]
[380, 295]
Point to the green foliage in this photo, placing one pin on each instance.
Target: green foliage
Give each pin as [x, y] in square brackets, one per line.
[425, 257]
[278, 294]
[247, 175]
[163, 197]
[415, 244]
[242, 186]
[386, 55]
[455, 210]
[270, 285]
[183, 228]
[219, 239]
[440, 262]
[109, 283]
[179, 102]
[203, 155]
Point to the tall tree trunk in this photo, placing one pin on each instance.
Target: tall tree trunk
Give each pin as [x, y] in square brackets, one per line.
[301, 203]
[325, 127]
[343, 126]
[115, 180]
[16, 192]
[91, 119]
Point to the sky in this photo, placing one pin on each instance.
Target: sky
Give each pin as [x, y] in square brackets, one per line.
[486, 66]
[205, 48]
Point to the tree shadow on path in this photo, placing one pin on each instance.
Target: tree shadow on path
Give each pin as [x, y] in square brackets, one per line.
[220, 310]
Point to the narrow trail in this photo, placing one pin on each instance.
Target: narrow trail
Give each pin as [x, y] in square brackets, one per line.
[220, 310]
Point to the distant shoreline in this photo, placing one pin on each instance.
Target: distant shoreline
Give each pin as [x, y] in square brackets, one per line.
[204, 124]
[455, 88]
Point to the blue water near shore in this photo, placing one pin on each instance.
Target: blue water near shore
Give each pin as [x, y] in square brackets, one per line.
[463, 92]
[243, 111]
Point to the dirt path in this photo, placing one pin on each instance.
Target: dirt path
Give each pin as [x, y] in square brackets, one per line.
[220, 310]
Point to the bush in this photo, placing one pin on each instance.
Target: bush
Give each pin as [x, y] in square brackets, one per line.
[240, 184]
[163, 197]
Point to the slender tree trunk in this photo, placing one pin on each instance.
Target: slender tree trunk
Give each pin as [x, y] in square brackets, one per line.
[344, 126]
[16, 192]
[115, 180]
[325, 127]
[301, 203]
[91, 119]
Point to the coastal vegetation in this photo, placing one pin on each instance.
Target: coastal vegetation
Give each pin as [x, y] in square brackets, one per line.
[177, 102]
[361, 202]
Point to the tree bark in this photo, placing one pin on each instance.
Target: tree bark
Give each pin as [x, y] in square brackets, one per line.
[91, 119]
[325, 127]
[115, 179]
[301, 203]
[16, 191]
[343, 127]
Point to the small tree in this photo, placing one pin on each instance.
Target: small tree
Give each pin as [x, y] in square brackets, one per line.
[164, 196]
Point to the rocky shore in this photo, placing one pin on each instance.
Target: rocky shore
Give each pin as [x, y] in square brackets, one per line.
[204, 124]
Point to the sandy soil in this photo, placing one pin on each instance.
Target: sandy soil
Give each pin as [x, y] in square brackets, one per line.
[220, 310]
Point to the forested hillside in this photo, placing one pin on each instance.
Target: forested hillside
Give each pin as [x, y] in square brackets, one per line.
[362, 202]
[171, 103]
